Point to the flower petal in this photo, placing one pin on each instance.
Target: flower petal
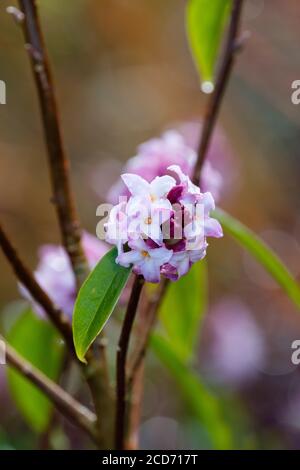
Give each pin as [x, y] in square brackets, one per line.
[161, 185]
[138, 244]
[161, 254]
[208, 202]
[197, 255]
[150, 269]
[212, 228]
[136, 184]
[128, 258]
[181, 261]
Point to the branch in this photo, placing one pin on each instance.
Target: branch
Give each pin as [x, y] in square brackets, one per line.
[97, 377]
[136, 368]
[58, 160]
[122, 351]
[23, 274]
[134, 408]
[211, 116]
[215, 100]
[95, 371]
[231, 47]
[64, 402]
[62, 196]
[150, 316]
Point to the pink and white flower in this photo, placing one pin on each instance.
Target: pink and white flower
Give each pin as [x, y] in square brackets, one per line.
[148, 206]
[165, 224]
[146, 260]
[183, 260]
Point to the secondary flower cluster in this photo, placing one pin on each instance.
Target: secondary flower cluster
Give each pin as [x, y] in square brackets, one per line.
[55, 276]
[162, 228]
[156, 155]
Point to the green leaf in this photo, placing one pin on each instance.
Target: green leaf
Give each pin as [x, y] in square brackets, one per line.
[182, 310]
[96, 301]
[202, 403]
[262, 253]
[38, 342]
[205, 22]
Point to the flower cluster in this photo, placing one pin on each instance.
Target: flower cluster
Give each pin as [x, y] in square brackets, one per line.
[155, 156]
[162, 228]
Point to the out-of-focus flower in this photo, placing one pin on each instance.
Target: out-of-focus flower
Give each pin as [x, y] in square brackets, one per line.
[55, 276]
[236, 350]
[155, 156]
[162, 228]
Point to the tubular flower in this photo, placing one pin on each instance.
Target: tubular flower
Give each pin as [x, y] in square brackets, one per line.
[162, 228]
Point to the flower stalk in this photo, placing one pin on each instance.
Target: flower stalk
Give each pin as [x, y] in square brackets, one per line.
[123, 345]
[211, 115]
[215, 101]
[62, 196]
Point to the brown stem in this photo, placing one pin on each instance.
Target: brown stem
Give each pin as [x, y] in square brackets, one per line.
[150, 316]
[215, 101]
[59, 319]
[135, 408]
[231, 46]
[122, 351]
[95, 373]
[58, 160]
[64, 402]
[136, 368]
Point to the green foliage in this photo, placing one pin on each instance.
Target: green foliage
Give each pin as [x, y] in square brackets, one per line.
[183, 308]
[262, 253]
[181, 313]
[205, 22]
[38, 342]
[96, 301]
[204, 406]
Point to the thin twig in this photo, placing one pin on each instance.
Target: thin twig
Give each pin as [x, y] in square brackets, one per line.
[136, 367]
[149, 318]
[135, 408]
[96, 371]
[25, 277]
[64, 402]
[122, 351]
[215, 100]
[97, 377]
[209, 123]
[232, 46]
[58, 161]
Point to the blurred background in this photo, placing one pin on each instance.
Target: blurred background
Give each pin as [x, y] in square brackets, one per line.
[124, 74]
